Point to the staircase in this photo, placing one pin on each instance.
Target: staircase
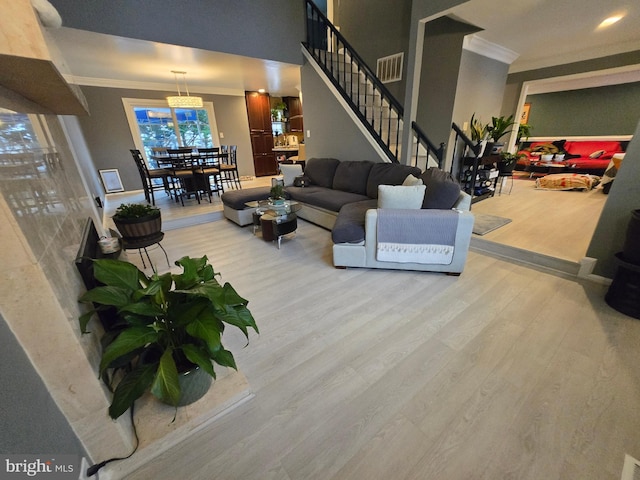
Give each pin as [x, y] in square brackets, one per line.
[380, 113]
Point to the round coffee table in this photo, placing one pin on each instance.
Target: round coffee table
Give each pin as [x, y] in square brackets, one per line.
[275, 220]
[541, 169]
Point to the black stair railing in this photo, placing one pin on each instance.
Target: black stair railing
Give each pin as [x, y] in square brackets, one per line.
[369, 99]
[425, 147]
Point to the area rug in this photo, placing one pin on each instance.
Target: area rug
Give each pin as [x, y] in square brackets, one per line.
[484, 224]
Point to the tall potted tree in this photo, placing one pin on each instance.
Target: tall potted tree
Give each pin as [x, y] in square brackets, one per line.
[168, 333]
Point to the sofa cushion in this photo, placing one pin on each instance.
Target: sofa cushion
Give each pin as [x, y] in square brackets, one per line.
[585, 148]
[351, 176]
[324, 197]
[237, 199]
[442, 189]
[349, 226]
[388, 174]
[321, 171]
[401, 196]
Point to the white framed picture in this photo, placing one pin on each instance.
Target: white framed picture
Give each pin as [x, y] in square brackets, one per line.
[111, 180]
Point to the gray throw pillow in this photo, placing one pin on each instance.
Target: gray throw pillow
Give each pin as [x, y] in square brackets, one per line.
[442, 189]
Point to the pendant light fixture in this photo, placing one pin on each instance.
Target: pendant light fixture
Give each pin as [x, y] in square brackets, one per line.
[183, 101]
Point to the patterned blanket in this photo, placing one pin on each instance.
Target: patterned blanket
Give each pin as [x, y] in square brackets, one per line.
[567, 181]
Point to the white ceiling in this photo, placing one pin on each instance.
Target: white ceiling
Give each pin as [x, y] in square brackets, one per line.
[542, 33]
[554, 32]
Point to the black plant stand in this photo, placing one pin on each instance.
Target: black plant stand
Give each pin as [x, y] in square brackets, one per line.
[141, 243]
[624, 292]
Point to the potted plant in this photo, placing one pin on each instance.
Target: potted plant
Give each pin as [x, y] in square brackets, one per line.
[277, 194]
[524, 130]
[137, 220]
[508, 162]
[498, 128]
[168, 332]
[479, 134]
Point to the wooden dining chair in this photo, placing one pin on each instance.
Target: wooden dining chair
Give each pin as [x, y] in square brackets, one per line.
[183, 165]
[229, 168]
[209, 161]
[149, 178]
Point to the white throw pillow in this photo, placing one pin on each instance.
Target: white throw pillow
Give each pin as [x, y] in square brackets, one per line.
[290, 172]
[411, 180]
[401, 196]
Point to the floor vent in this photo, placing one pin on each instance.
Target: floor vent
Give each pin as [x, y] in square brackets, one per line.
[631, 469]
[389, 69]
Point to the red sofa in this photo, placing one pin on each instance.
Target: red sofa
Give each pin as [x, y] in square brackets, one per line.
[586, 156]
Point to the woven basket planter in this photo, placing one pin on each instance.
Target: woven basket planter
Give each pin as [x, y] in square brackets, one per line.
[139, 227]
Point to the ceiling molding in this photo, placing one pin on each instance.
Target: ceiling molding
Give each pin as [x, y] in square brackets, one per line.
[593, 79]
[132, 85]
[483, 47]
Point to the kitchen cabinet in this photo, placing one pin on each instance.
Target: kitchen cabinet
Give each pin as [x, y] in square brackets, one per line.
[294, 108]
[259, 115]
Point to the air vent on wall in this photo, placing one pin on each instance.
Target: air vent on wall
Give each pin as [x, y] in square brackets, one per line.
[631, 469]
[389, 69]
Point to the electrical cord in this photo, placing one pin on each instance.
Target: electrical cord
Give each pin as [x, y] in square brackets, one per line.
[93, 469]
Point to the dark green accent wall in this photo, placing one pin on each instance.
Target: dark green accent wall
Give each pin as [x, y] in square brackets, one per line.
[608, 110]
[442, 67]
[31, 421]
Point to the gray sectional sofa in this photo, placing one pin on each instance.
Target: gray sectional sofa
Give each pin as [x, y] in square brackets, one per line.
[342, 196]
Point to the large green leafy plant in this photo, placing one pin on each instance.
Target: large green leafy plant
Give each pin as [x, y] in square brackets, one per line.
[166, 324]
[499, 127]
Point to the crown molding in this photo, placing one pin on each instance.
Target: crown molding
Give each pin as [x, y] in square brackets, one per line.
[483, 47]
[132, 85]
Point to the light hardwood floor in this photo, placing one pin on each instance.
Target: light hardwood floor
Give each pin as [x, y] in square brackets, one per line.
[503, 372]
[555, 223]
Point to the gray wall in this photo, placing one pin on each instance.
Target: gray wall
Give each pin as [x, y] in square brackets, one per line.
[211, 25]
[442, 61]
[109, 139]
[375, 30]
[31, 421]
[623, 197]
[480, 88]
[608, 110]
[333, 133]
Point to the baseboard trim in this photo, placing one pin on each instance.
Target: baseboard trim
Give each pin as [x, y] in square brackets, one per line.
[525, 257]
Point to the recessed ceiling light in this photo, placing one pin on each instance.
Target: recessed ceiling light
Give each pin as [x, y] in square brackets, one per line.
[261, 90]
[610, 21]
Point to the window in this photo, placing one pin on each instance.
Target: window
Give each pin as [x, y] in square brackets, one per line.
[155, 125]
[16, 132]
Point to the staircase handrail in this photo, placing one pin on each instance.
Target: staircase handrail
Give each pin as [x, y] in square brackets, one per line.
[467, 141]
[422, 138]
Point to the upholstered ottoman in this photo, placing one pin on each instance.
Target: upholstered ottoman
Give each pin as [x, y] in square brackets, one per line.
[234, 202]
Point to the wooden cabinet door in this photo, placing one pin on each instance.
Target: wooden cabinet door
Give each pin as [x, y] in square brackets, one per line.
[293, 106]
[264, 160]
[259, 114]
[296, 124]
[258, 111]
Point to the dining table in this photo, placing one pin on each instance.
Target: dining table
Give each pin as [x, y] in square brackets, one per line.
[191, 172]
